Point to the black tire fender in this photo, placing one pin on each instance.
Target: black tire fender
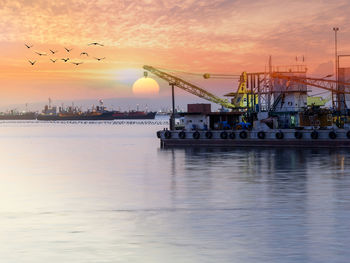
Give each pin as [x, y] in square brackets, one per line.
[314, 135]
[298, 135]
[167, 135]
[223, 135]
[182, 135]
[243, 135]
[279, 135]
[196, 135]
[209, 135]
[332, 135]
[261, 135]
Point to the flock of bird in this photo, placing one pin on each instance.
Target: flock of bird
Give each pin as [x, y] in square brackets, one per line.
[68, 50]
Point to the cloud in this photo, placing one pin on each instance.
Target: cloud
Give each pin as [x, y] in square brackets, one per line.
[209, 35]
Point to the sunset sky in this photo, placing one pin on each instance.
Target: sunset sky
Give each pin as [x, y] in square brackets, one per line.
[219, 36]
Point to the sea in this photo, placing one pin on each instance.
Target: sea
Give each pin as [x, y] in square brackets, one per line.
[104, 192]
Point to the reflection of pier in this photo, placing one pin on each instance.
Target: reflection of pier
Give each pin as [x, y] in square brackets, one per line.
[260, 198]
[261, 164]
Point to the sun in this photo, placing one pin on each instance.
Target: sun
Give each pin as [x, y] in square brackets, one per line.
[145, 87]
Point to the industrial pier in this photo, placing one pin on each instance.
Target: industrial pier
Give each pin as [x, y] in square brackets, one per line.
[267, 109]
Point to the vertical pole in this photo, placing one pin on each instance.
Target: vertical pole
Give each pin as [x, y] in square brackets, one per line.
[254, 98]
[248, 95]
[270, 84]
[172, 119]
[251, 92]
[336, 67]
[259, 94]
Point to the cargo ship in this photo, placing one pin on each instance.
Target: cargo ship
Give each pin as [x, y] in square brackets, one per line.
[71, 113]
[13, 115]
[268, 109]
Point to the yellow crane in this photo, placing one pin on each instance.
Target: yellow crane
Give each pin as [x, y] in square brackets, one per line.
[240, 97]
[189, 87]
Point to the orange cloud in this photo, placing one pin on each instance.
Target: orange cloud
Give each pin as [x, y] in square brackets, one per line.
[201, 36]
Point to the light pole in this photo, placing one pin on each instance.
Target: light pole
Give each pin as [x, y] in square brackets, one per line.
[336, 29]
[341, 96]
[172, 119]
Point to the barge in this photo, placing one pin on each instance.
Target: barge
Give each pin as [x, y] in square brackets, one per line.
[271, 109]
[229, 129]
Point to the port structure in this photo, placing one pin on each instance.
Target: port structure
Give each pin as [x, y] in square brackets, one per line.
[265, 91]
[262, 91]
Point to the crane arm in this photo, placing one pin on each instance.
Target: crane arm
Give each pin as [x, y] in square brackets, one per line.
[193, 89]
[330, 85]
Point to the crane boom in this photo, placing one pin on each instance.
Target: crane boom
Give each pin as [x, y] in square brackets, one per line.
[330, 85]
[193, 89]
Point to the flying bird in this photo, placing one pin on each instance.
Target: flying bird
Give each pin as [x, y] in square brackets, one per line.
[77, 63]
[84, 53]
[65, 59]
[32, 62]
[99, 59]
[41, 54]
[53, 51]
[95, 44]
[28, 46]
[68, 50]
[53, 60]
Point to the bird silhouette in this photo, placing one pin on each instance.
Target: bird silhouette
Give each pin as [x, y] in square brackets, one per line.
[77, 63]
[32, 62]
[41, 54]
[53, 51]
[95, 44]
[53, 60]
[68, 50]
[99, 59]
[65, 59]
[28, 46]
[84, 53]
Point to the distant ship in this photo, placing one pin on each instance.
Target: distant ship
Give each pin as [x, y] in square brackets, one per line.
[96, 113]
[13, 115]
[67, 116]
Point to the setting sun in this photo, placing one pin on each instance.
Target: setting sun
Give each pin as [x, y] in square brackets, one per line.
[145, 87]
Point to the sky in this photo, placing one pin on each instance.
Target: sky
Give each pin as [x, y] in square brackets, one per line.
[216, 36]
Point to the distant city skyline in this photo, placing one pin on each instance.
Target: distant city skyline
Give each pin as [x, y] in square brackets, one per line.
[220, 36]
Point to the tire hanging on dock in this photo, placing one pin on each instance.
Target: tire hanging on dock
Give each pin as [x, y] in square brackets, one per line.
[167, 135]
[332, 135]
[261, 135]
[279, 135]
[348, 134]
[209, 135]
[298, 135]
[223, 135]
[182, 135]
[243, 135]
[196, 135]
[232, 135]
[314, 135]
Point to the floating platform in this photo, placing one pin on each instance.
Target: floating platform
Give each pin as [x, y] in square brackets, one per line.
[246, 138]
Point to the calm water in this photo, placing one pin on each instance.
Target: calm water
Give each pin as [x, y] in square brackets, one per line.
[108, 193]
